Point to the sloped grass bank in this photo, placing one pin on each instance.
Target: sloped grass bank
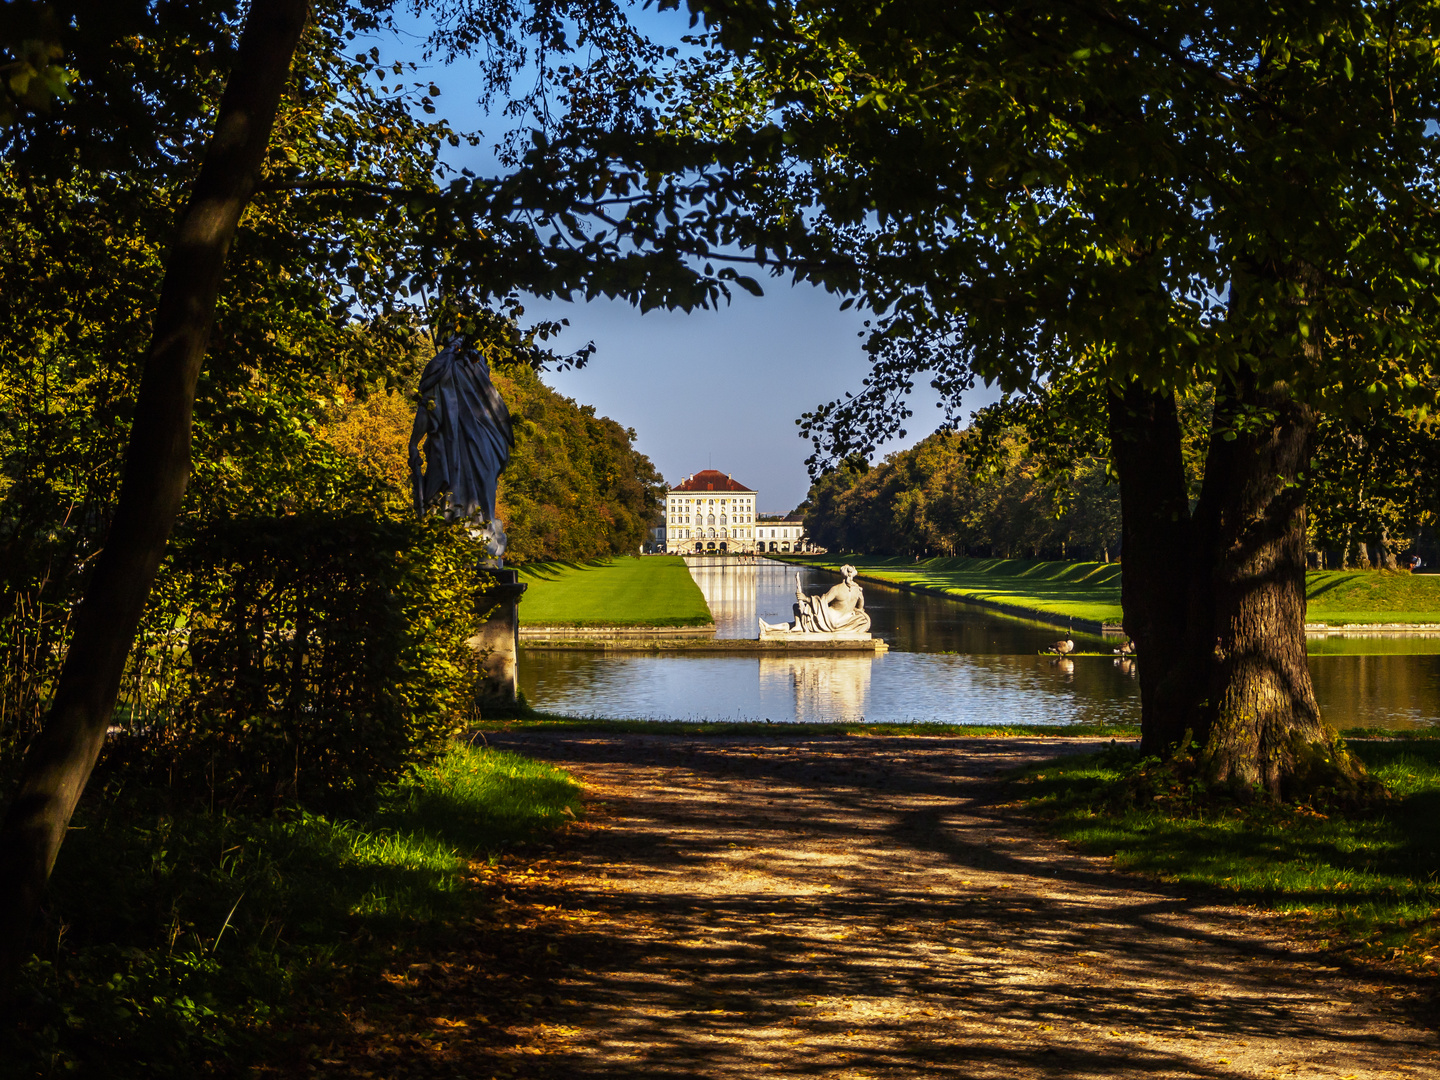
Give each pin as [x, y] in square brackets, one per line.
[1091, 591]
[1338, 597]
[188, 944]
[1365, 880]
[1070, 590]
[656, 590]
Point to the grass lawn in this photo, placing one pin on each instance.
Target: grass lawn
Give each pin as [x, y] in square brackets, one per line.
[545, 721]
[656, 590]
[1085, 590]
[1364, 880]
[1372, 596]
[196, 944]
[1080, 590]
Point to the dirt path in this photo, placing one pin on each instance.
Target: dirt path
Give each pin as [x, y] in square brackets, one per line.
[868, 907]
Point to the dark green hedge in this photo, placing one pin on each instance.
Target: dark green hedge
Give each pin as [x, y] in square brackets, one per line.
[304, 659]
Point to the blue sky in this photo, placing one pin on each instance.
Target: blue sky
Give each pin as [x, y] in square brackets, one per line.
[713, 389]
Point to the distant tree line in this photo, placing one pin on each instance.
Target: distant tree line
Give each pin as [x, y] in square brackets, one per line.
[945, 496]
[1033, 477]
[576, 487]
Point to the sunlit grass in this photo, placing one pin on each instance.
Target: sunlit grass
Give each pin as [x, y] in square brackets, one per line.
[654, 591]
[172, 938]
[1372, 596]
[1091, 591]
[1366, 879]
[1078, 590]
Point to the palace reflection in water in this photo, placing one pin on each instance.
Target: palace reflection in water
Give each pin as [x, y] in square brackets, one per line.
[949, 662]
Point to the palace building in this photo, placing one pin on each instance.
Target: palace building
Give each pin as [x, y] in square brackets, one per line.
[711, 511]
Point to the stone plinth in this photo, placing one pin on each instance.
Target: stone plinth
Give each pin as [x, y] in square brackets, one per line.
[496, 640]
[782, 632]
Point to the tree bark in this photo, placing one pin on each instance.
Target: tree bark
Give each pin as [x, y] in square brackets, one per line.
[1156, 547]
[157, 469]
[1260, 721]
[1385, 556]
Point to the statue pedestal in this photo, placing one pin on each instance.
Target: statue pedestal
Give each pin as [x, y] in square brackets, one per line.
[783, 632]
[497, 639]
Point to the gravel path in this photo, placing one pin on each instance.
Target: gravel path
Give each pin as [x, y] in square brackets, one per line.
[867, 907]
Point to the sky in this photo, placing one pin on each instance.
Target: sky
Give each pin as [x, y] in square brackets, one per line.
[715, 389]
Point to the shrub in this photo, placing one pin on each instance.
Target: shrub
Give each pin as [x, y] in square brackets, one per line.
[303, 659]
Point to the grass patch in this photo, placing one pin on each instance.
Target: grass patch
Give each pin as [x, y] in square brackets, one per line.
[1078, 590]
[1365, 880]
[548, 722]
[1371, 596]
[185, 944]
[654, 591]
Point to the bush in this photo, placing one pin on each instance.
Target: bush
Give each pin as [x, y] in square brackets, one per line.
[305, 659]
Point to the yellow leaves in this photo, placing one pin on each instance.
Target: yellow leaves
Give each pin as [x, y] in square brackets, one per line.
[449, 1025]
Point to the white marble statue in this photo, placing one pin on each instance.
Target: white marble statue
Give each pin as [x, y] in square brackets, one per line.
[837, 613]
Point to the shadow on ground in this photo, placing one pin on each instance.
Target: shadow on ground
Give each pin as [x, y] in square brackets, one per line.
[873, 907]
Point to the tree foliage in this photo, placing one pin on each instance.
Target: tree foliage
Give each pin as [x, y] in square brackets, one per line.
[1235, 199]
[944, 497]
[575, 488]
[82, 260]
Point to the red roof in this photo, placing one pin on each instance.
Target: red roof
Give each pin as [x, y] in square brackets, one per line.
[710, 480]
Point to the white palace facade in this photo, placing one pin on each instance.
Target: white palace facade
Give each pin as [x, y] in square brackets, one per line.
[711, 511]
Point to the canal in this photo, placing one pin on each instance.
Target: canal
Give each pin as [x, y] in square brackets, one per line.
[948, 661]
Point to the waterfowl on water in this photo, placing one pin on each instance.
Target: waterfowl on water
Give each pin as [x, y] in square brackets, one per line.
[1128, 649]
[1064, 648]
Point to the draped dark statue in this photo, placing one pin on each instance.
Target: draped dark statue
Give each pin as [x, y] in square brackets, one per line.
[467, 438]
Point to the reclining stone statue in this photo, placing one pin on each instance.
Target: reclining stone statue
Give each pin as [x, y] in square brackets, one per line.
[838, 613]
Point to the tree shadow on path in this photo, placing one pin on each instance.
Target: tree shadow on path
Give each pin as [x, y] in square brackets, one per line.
[849, 907]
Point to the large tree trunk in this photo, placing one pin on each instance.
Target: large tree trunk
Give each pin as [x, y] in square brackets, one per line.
[1384, 554]
[1260, 724]
[157, 468]
[1155, 546]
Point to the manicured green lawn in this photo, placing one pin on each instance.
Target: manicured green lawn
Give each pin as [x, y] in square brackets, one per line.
[1080, 590]
[1366, 879]
[1087, 590]
[1372, 596]
[656, 590]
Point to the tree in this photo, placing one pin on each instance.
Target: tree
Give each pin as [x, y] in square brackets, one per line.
[575, 488]
[1373, 485]
[985, 490]
[89, 216]
[31, 74]
[59, 760]
[145, 81]
[1229, 197]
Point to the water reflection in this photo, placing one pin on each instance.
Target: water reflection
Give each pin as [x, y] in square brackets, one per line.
[739, 593]
[822, 687]
[949, 662]
[732, 589]
[891, 687]
[1393, 691]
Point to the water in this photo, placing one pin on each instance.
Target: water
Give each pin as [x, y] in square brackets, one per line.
[948, 662]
